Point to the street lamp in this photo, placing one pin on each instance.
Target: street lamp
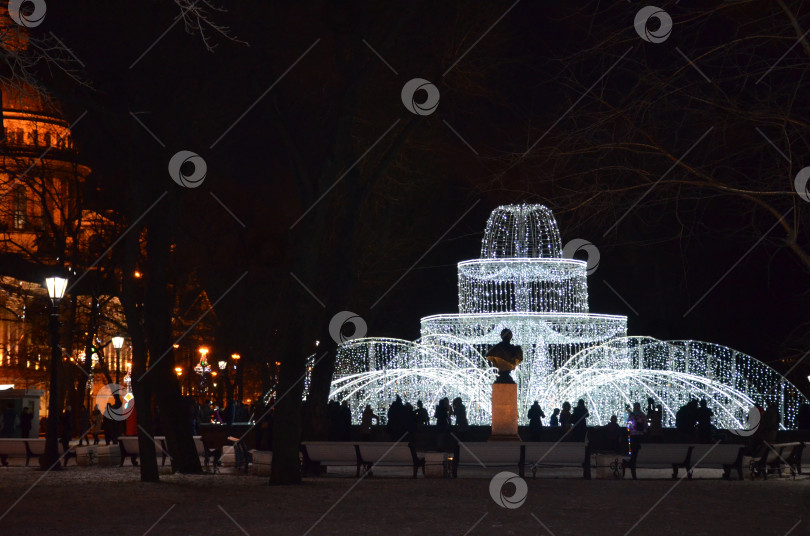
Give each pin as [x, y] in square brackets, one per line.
[238, 379]
[202, 367]
[118, 343]
[56, 291]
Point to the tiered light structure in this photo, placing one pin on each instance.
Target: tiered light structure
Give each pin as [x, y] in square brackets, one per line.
[521, 282]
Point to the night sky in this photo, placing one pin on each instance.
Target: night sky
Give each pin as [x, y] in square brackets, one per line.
[517, 83]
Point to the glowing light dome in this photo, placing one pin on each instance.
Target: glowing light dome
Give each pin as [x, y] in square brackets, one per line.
[521, 282]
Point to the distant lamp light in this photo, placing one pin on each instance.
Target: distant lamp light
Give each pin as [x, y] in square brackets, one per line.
[175, 346]
[56, 288]
[222, 364]
[118, 342]
[236, 357]
[179, 370]
[203, 351]
[137, 274]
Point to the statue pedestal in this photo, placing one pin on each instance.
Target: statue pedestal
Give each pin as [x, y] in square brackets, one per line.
[504, 412]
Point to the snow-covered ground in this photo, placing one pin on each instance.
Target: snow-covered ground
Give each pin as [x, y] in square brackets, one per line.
[92, 500]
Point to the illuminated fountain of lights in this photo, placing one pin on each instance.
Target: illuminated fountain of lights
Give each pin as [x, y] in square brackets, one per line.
[521, 282]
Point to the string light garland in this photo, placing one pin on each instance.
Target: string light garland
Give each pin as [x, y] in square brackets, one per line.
[522, 283]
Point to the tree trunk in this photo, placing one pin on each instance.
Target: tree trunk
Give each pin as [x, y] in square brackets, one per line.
[141, 388]
[158, 322]
[286, 467]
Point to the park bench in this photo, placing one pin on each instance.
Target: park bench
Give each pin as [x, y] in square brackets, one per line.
[14, 448]
[236, 454]
[130, 448]
[773, 456]
[389, 454]
[36, 447]
[658, 456]
[320, 454]
[262, 462]
[487, 454]
[538, 455]
[206, 453]
[725, 456]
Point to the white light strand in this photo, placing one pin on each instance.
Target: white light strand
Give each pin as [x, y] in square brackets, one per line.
[521, 284]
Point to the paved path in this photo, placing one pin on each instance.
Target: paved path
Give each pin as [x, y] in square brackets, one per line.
[79, 500]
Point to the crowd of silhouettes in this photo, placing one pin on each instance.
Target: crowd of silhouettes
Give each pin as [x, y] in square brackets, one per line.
[574, 423]
[693, 423]
[402, 421]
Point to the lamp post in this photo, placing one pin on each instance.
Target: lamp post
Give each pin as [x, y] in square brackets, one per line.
[222, 364]
[118, 343]
[179, 372]
[238, 379]
[56, 291]
[202, 367]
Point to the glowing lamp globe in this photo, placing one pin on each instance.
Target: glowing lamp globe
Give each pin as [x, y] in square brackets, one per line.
[56, 287]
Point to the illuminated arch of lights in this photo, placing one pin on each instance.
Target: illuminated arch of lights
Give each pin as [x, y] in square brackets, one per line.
[521, 282]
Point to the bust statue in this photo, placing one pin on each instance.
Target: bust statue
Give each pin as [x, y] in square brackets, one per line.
[505, 357]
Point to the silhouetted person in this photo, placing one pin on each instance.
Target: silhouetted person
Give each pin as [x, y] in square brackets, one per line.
[770, 423]
[655, 416]
[26, 417]
[637, 426]
[613, 434]
[108, 425]
[96, 425]
[396, 419]
[9, 421]
[460, 412]
[565, 417]
[442, 415]
[409, 417]
[535, 423]
[422, 417]
[579, 419]
[555, 417]
[365, 423]
[704, 422]
[686, 422]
